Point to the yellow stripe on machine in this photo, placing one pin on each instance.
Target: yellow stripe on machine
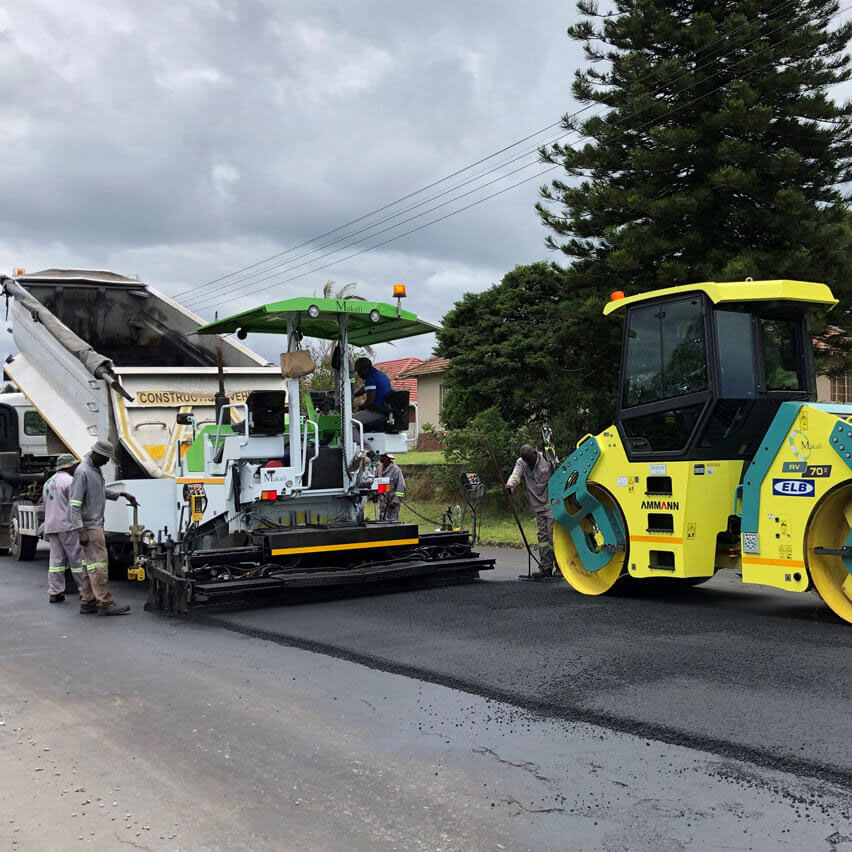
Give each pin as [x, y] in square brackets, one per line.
[201, 480]
[361, 545]
[781, 563]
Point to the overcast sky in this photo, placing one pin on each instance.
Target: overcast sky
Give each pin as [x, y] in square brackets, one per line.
[182, 140]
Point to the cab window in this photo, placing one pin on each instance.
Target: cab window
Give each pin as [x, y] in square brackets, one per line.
[666, 352]
[34, 423]
[783, 364]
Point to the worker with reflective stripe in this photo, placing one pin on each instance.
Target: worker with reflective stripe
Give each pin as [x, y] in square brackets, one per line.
[535, 470]
[63, 540]
[391, 499]
[86, 514]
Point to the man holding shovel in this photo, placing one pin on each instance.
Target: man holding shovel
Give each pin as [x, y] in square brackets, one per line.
[535, 469]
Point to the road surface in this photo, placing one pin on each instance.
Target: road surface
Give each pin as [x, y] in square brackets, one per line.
[498, 715]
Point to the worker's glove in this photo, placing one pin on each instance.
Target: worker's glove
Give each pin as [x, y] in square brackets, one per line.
[130, 499]
[508, 489]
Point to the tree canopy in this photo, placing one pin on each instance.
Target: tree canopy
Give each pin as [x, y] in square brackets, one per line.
[518, 348]
[710, 148]
[715, 153]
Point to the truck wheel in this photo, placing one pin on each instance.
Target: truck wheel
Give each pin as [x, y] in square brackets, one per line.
[21, 547]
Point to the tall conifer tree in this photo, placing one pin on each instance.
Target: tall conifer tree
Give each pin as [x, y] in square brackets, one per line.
[711, 148]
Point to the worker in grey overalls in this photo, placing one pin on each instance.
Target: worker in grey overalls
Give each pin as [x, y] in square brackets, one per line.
[535, 470]
[392, 499]
[86, 513]
[61, 537]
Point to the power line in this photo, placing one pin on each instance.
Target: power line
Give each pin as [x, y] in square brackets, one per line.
[383, 207]
[706, 48]
[254, 279]
[209, 297]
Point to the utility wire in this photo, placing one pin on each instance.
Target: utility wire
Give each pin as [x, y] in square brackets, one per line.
[706, 48]
[253, 278]
[201, 302]
[254, 275]
[385, 206]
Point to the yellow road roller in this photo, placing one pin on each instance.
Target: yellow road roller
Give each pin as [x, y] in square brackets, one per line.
[717, 459]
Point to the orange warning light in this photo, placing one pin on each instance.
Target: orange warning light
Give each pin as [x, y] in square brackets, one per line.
[18, 272]
[618, 294]
[399, 291]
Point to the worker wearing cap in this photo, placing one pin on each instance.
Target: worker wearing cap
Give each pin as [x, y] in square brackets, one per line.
[61, 537]
[535, 469]
[86, 514]
[391, 499]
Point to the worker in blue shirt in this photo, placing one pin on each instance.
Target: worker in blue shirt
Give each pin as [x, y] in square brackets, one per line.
[372, 414]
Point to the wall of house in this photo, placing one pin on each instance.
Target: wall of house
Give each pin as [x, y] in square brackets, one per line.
[429, 399]
[823, 384]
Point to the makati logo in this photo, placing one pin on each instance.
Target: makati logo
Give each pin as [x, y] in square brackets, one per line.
[793, 487]
[665, 505]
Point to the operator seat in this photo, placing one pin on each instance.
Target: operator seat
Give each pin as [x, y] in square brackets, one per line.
[396, 403]
[267, 411]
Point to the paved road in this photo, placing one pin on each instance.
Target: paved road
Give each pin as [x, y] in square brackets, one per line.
[739, 671]
[166, 734]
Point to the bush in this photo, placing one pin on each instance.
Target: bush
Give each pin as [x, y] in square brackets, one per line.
[467, 446]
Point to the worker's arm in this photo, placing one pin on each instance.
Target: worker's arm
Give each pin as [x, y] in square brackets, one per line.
[515, 476]
[397, 485]
[114, 494]
[75, 507]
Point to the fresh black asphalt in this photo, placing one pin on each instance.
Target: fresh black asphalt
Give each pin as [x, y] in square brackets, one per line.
[742, 672]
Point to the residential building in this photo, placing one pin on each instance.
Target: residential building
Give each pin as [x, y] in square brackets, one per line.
[429, 375]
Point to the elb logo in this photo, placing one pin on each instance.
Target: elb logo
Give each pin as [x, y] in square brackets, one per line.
[793, 487]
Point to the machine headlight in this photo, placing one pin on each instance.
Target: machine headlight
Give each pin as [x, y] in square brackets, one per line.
[374, 315]
[313, 311]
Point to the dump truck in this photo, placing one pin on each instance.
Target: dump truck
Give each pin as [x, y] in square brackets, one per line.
[718, 457]
[103, 355]
[301, 479]
[24, 465]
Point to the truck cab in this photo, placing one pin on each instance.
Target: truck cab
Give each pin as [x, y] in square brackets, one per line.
[25, 463]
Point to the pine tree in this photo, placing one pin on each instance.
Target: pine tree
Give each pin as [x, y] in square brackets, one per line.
[718, 152]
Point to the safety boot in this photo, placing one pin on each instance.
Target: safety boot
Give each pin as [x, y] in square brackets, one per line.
[57, 598]
[89, 608]
[113, 609]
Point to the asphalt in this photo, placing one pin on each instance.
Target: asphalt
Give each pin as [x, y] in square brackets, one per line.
[497, 715]
[738, 671]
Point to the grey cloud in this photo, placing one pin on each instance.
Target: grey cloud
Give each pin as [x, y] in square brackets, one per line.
[182, 136]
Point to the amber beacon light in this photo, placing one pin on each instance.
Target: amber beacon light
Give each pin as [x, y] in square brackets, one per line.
[399, 294]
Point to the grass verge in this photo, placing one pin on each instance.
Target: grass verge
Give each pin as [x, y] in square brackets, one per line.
[496, 527]
[415, 457]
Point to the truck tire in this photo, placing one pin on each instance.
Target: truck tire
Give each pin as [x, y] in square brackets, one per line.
[21, 547]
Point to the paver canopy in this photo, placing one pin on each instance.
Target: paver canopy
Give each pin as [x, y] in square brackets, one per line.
[367, 322]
